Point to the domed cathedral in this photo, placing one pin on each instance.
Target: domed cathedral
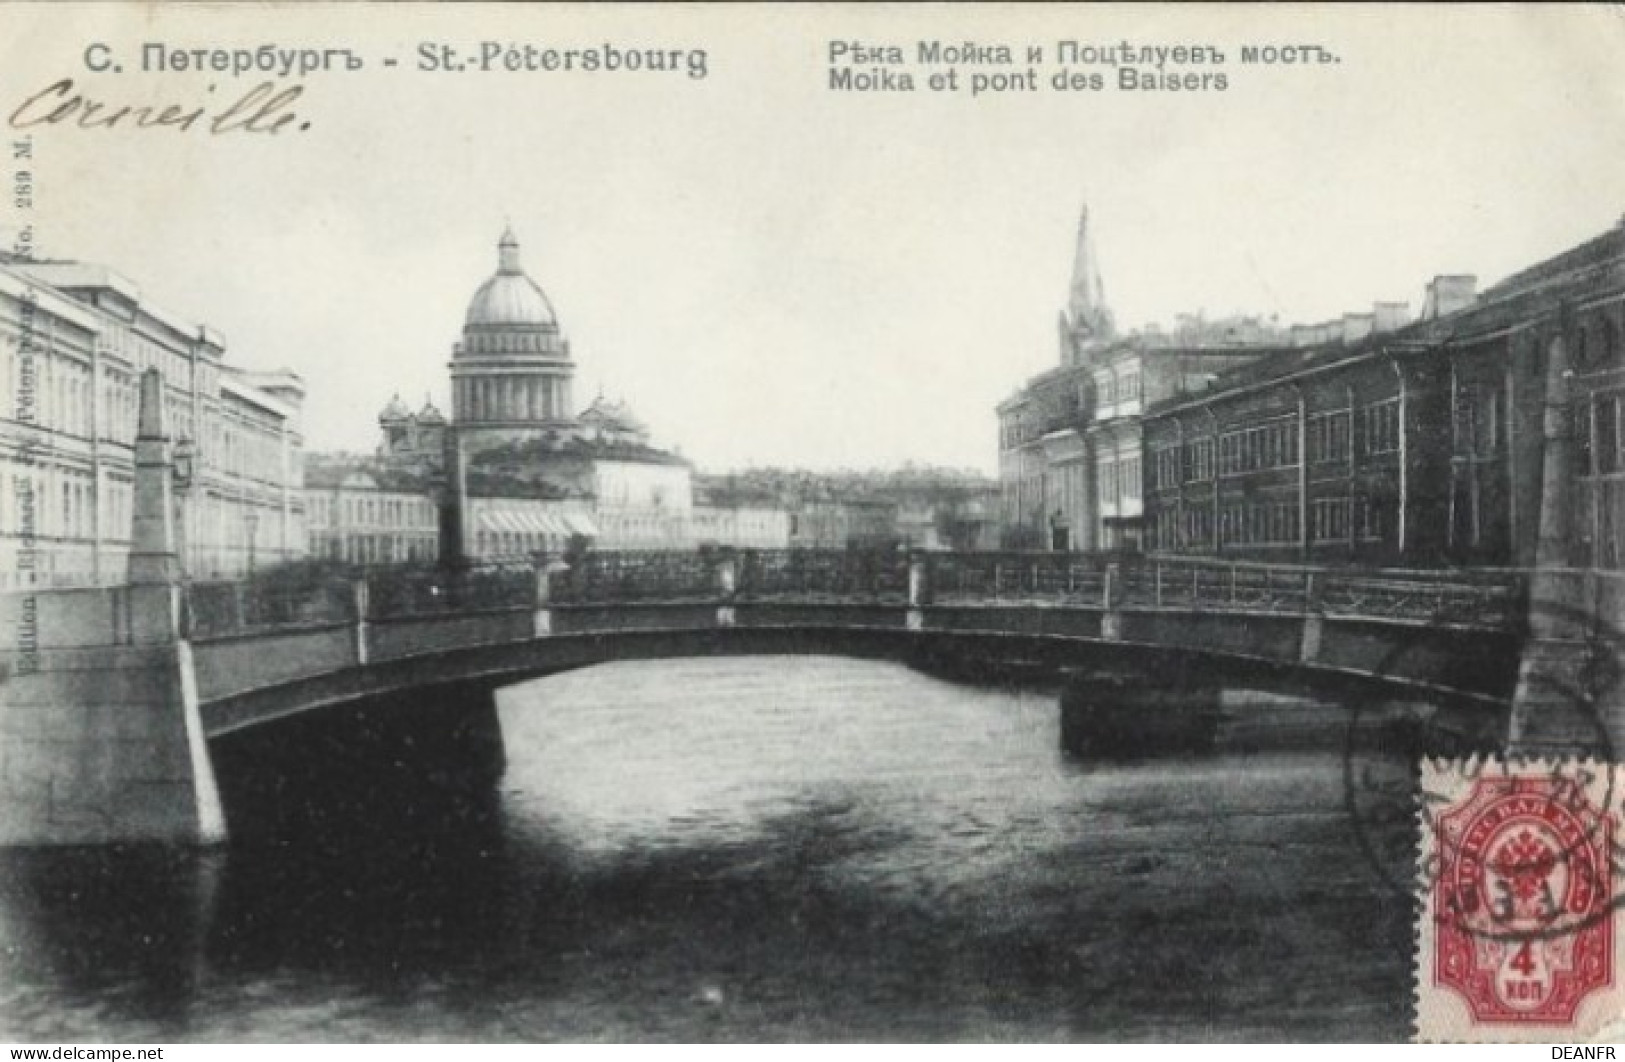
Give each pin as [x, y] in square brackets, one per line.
[525, 446]
[511, 373]
[536, 473]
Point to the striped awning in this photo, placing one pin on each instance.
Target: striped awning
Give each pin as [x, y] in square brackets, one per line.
[523, 523]
[550, 525]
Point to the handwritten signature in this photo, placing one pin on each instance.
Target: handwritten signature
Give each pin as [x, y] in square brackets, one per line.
[262, 109]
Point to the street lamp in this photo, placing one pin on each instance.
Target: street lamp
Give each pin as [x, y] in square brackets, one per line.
[183, 465]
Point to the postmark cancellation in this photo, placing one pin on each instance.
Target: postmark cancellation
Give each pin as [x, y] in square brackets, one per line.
[1519, 891]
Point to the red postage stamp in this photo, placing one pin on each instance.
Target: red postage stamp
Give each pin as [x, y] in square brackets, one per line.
[1519, 936]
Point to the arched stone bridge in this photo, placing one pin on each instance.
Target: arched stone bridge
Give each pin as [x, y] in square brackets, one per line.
[113, 694]
[262, 652]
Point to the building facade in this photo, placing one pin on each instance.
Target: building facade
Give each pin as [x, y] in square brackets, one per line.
[1071, 465]
[356, 516]
[1381, 441]
[77, 338]
[741, 526]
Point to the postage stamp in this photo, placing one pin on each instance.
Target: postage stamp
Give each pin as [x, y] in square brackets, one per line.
[1518, 934]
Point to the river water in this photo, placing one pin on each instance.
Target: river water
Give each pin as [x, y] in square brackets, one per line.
[749, 849]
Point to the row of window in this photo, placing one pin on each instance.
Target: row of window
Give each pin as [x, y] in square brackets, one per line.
[58, 395]
[1119, 480]
[1274, 522]
[1372, 430]
[515, 544]
[1255, 449]
[35, 504]
[1112, 388]
[1261, 523]
[176, 366]
[374, 549]
[1328, 437]
[328, 510]
[30, 507]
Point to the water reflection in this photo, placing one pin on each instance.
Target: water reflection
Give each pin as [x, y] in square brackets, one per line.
[744, 849]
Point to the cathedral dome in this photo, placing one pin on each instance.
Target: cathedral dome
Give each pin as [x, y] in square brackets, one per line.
[510, 297]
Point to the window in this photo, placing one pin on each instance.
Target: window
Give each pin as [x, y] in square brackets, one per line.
[1167, 467]
[1129, 478]
[1378, 427]
[1605, 434]
[1198, 526]
[1199, 460]
[1328, 519]
[1108, 482]
[1373, 518]
[1492, 423]
[1328, 437]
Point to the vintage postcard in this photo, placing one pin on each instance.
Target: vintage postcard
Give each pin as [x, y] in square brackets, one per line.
[828, 522]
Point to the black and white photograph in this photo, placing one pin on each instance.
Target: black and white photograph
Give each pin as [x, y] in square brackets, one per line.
[823, 523]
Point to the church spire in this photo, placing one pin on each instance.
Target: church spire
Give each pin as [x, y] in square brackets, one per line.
[1086, 312]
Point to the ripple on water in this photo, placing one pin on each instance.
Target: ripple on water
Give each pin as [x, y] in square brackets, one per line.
[738, 849]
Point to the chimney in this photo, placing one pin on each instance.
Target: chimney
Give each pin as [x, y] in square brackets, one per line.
[1388, 316]
[1356, 326]
[1447, 294]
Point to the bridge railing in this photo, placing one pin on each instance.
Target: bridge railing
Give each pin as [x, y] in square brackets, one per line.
[1465, 599]
[967, 578]
[1446, 596]
[1195, 583]
[223, 609]
[892, 577]
[631, 576]
[408, 592]
[822, 575]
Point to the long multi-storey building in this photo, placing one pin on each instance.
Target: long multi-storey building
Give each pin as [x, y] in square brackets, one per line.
[1381, 440]
[77, 338]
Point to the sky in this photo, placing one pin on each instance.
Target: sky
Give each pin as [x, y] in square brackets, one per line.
[770, 271]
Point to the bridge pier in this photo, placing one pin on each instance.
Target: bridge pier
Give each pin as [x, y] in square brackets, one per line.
[1137, 716]
[100, 737]
[101, 740]
[1568, 674]
[1569, 698]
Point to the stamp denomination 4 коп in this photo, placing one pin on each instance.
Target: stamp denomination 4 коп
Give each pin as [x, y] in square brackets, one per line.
[1519, 936]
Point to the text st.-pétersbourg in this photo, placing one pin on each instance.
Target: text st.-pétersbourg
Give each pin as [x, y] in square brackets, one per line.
[487, 57]
[858, 66]
[267, 107]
